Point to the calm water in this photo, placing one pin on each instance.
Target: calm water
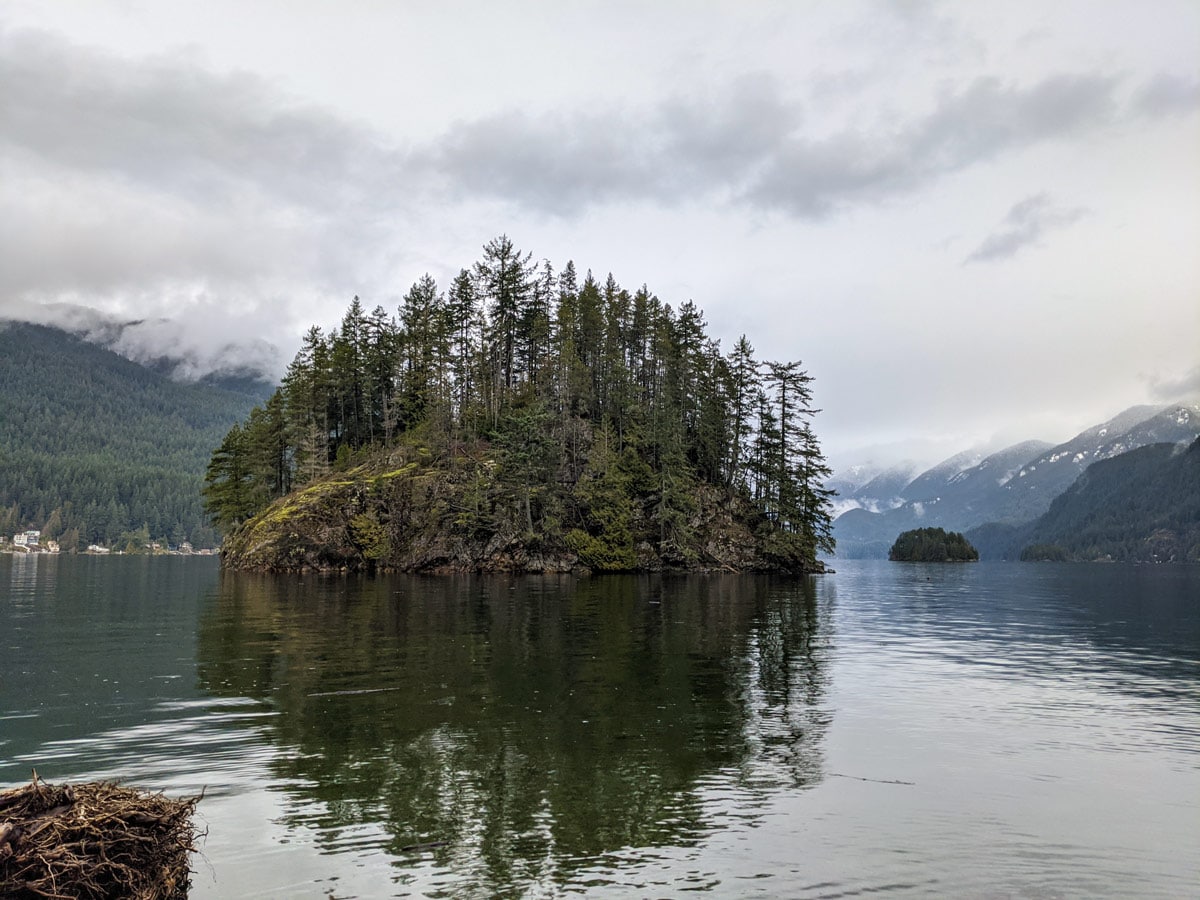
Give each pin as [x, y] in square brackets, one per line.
[984, 730]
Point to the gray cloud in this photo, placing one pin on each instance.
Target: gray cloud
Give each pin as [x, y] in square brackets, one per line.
[157, 189]
[180, 158]
[1024, 226]
[563, 164]
[125, 175]
[172, 127]
[810, 178]
[550, 163]
[1168, 95]
[748, 146]
[1184, 387]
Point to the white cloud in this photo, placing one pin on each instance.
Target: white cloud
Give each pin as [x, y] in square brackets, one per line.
[794, 168]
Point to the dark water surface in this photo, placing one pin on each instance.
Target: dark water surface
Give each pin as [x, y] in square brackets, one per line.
[988, 730]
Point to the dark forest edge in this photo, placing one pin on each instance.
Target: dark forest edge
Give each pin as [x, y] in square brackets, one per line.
[523, 421]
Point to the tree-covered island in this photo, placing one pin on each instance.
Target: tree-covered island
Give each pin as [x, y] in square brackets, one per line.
[932, 545]
[524, 420]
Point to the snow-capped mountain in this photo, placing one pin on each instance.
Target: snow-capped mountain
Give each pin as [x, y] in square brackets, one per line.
[1028, 493]
[871, 487]
[1014, 485]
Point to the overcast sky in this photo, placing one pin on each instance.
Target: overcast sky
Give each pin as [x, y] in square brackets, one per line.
[971, 221]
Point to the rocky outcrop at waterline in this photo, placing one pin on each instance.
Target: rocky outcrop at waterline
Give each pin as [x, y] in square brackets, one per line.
[409, 512]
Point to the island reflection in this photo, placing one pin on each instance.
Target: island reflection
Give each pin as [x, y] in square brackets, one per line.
[519, 729]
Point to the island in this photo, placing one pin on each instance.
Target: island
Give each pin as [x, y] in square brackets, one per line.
[932, 545]
[525, 420]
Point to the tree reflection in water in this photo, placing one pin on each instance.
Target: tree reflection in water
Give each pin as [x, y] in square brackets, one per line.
[523, 730]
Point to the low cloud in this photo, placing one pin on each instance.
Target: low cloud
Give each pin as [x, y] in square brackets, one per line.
[1185, 386]
[173, 128]
[1024, 226]
[810, 178]
[204, 337]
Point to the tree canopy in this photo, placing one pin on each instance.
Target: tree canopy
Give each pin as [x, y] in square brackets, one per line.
[932, 545]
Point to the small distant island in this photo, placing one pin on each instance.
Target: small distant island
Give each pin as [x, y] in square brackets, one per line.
[525, 420]
[932, 545]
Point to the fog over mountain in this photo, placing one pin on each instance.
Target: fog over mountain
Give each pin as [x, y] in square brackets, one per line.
[178, 347]
[974, 223]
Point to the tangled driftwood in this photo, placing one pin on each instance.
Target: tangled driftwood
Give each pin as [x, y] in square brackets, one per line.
[94, 840]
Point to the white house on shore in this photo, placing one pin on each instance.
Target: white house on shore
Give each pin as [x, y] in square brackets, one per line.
[27, 539]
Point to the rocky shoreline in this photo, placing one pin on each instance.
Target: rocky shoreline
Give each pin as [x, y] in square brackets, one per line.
[418, 519]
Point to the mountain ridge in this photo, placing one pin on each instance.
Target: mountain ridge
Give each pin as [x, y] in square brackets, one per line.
[1139, 506]
[1010, 487]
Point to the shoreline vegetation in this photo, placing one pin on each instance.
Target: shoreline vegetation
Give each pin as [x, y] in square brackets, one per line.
[524, 420]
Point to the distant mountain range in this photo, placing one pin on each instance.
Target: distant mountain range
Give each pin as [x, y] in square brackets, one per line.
[1011, 487]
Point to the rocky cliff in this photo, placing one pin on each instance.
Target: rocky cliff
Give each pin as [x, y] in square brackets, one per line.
[408, 512]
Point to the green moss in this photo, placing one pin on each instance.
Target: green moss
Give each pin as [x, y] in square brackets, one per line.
[370, 535]
[600, 554]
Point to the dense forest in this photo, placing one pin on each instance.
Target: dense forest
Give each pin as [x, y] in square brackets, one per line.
[932, 545]
[587, 418]
[98, 449]
[1141, 506]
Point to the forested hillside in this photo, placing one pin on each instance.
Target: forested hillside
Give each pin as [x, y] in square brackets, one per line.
[94, 447]
[524, 418]
[1141, 506]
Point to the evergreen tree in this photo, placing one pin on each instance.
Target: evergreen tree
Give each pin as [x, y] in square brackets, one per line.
[229, 489]
[380, 351]
[423, 323]
[349, 378]
[504, 279]
[527, 456]
[744, 385]
[306, 387]
[462, 329]
[793, 397]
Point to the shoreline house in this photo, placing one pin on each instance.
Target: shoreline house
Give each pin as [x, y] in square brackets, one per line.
[27, 539]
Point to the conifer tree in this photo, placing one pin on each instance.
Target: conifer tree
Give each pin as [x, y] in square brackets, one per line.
[229, 491]
[349, 377]
[744, 383]
[504, 279]
[462, 330]
[793, 397]
[380, 348]
[422, 322]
